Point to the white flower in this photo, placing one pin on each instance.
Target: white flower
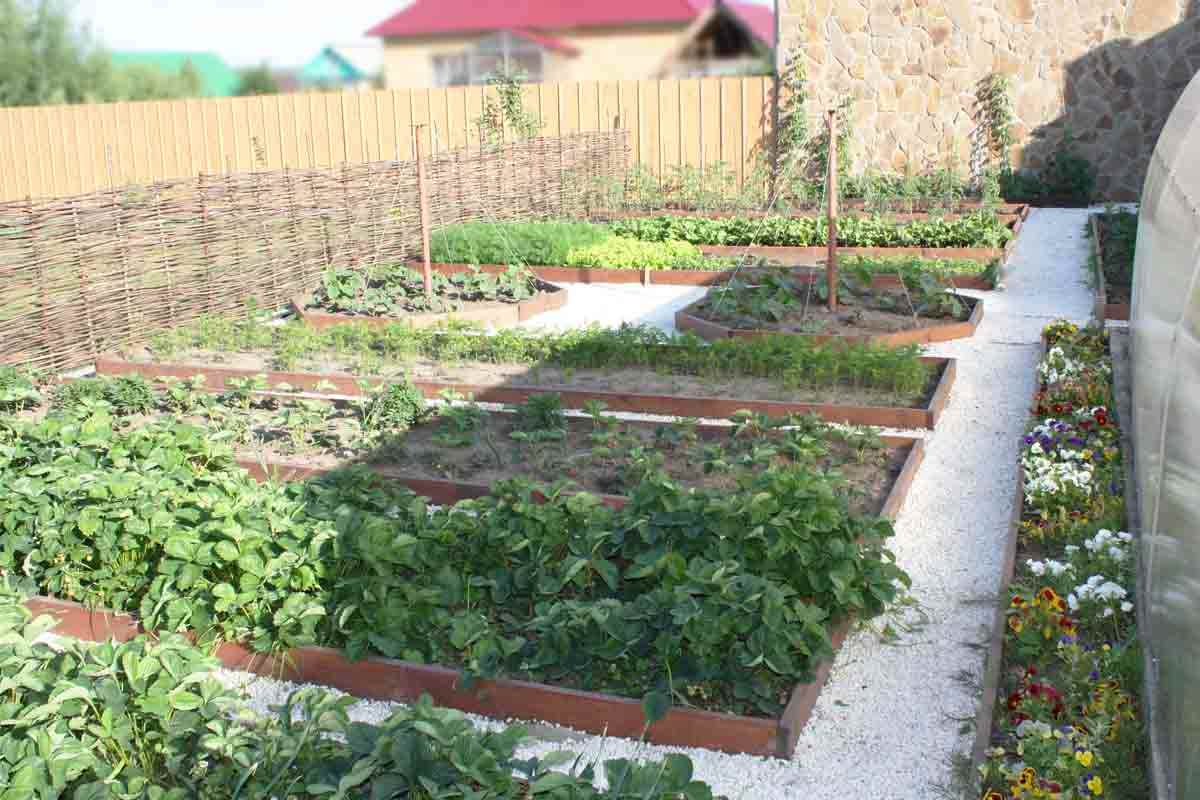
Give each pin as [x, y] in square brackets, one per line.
[1036, 567]
[1125, 537]
[1116, 554]
[1108, 612]
[1071, 548]
[1127, 606]
[1072, 602]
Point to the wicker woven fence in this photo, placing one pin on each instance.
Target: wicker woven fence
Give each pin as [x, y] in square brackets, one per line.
[79, 275]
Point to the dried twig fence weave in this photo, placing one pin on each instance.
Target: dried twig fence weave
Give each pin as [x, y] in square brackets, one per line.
[80, 275]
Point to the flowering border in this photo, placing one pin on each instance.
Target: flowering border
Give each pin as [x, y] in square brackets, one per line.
[1066, 722]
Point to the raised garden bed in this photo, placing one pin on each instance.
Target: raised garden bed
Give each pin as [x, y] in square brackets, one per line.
[521, 386]
[394, 680]
[747, 237]
[773, 304]
[1113, 253]
[385, 296]
[280, 560]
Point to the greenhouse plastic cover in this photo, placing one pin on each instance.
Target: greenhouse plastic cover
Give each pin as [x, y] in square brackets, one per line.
[1165, 332]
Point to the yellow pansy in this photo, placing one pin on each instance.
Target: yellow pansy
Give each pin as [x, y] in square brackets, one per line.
[1096, 786]
[1084, 757]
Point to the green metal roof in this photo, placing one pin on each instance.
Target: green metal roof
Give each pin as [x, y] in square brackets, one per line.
[217, 79]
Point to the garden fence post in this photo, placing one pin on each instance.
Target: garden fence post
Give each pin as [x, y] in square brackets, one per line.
[423, 198]
[831, 194]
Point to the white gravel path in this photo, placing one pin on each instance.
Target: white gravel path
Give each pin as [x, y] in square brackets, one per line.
[896, 712]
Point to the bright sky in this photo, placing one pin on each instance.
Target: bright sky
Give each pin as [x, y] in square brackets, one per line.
[282, 32]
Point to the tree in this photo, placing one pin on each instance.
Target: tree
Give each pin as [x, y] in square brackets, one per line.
[257, 80]
[45, 58]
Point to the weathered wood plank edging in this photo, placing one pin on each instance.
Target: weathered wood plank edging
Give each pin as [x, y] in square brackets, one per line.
[672, 405]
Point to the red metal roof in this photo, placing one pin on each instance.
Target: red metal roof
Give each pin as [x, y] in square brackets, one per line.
[546, 41]
[431, 17]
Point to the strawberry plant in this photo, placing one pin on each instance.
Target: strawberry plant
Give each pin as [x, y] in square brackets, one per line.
[17, 390]
[395, 290]
[147, 718]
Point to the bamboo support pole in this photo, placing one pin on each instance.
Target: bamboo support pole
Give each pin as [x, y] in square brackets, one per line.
[831, 193]
[422, 197]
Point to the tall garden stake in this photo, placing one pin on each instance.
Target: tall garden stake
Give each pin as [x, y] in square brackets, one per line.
[831, 193]
[423, 198]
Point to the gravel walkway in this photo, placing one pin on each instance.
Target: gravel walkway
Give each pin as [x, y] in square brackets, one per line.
[899, 708]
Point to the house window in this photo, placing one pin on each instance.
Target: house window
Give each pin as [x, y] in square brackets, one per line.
[499, 52]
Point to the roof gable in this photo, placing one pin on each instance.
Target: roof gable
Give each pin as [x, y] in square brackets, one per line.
[425, 17]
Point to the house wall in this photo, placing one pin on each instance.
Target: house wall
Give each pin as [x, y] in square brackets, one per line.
[613, 53]
[1107, 70]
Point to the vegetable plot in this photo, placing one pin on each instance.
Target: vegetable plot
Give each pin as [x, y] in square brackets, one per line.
[771, 302]
[717, 600]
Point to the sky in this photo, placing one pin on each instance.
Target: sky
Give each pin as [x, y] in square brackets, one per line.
[281, 32]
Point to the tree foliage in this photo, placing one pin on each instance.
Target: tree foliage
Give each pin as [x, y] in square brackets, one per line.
[47, 58]
[257, 80]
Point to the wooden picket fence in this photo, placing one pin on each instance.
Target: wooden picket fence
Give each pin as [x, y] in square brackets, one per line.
[55, 151]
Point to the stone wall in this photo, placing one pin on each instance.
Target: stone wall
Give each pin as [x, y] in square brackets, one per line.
[1109, 71]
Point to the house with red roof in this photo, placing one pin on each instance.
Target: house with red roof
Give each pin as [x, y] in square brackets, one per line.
[459, 42]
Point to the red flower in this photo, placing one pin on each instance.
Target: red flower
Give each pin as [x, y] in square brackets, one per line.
[1058, 409]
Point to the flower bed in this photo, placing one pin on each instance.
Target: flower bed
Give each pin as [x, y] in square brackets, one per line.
[720, 603]
[1066, 721]
[630, 369]
[1114, 238]
[773, 303]
[397, 294]
[143, 716]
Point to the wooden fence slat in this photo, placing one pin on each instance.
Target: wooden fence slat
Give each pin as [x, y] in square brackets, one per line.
[66, 150]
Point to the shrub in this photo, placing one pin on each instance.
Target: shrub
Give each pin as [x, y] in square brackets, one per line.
[396, 406]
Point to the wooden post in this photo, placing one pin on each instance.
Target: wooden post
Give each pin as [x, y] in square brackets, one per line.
[423, 198]
[831, 195]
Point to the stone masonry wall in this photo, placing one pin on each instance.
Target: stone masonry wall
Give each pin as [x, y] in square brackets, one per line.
[1107, 70]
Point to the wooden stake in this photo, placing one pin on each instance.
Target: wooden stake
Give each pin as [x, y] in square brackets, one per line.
[831, 194]
[423, 198]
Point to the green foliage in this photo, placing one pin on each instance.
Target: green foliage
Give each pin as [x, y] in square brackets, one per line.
[396, 289]
[396, 406]
[257, 80]
[787, 361]
[993, 103]
[506, 111]
[46, 58]
[542, 413]
[1067, 178]
[620, 252]
[981, 229]
[791, 142]
[17, 390]
[512, 242]
[123, 395]
[909, 268]
[146, 718]
[1118, 240]
[722, 598]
